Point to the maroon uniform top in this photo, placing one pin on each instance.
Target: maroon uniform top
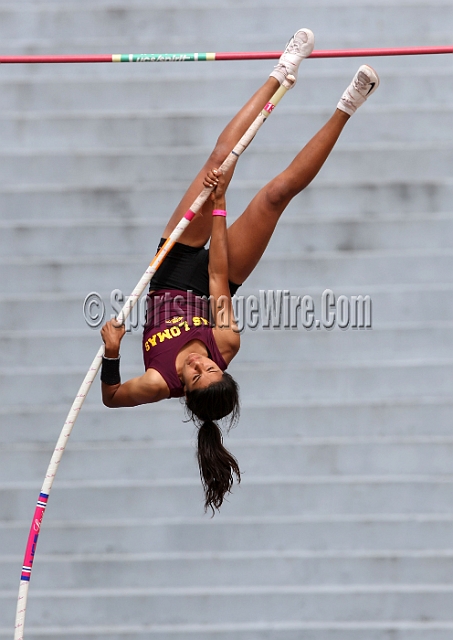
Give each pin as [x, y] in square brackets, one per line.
[174, 318]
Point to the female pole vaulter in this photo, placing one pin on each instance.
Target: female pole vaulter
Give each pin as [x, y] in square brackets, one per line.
[190, 336]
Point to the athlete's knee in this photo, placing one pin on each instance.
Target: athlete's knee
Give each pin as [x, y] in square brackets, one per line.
[277, 194]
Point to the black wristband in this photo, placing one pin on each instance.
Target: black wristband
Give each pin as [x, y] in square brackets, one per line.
[110, 371]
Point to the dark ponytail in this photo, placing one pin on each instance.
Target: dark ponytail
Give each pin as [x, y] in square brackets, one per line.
[217, 465]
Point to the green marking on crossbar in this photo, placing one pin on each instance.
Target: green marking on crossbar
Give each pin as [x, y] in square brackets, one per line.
[162, 57]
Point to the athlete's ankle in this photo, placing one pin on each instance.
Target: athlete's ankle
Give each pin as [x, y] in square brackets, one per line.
[299, 47]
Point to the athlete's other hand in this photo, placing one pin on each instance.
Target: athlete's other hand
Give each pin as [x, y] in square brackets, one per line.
[215, 180]
[112, 333]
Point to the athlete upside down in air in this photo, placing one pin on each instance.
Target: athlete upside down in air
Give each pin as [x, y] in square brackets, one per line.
[187, 346]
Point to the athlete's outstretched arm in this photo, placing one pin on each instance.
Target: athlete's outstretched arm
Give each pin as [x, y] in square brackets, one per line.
[141, 390]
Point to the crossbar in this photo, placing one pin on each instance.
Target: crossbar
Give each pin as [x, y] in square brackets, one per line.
[209, 57]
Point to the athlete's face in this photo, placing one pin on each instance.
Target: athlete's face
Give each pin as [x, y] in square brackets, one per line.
[199, 372]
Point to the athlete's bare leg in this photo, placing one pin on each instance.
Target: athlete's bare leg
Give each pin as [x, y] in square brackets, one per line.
[199, 230]
[249, 235]
[198, 233]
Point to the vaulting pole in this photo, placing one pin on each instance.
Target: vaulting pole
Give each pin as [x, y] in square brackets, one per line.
[95, 365]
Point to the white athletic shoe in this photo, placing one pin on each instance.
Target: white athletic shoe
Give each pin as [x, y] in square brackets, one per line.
[364, 83]
[299, 47]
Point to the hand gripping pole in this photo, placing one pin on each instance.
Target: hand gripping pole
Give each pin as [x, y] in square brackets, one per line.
[95, 365]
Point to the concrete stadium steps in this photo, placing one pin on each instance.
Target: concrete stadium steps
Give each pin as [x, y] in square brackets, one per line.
[52, 274]
[333, 380]
[259, 347]
[413, 307]
[195, 22]
[88, 129]
[422, 416]
[323, 199]
[337, 533]
[254, 631]
[293, 236]
[249, 568]
[315, 88]
[262, 35]
[281, 630]
[393, 161]
[274, 495]
[222, 606]
[343, 524]
[164, 461]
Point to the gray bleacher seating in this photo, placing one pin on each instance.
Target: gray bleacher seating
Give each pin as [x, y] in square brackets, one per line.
[342, 526]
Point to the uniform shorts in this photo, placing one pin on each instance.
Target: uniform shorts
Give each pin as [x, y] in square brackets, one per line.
[185, 268]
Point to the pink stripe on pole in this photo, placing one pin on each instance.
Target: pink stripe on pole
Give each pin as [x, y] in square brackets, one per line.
[269, 107]
[189, 215]
[33, 537]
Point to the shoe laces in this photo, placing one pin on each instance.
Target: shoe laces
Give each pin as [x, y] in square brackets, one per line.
[362, 81]
[294, 45]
